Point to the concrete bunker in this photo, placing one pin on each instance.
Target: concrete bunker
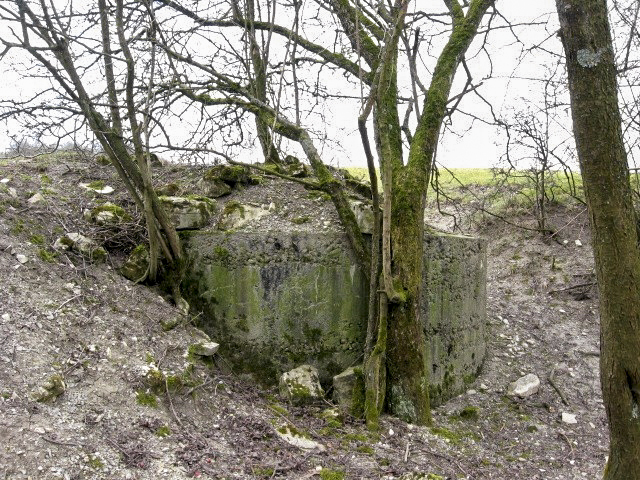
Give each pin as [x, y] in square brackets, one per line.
[274, 299]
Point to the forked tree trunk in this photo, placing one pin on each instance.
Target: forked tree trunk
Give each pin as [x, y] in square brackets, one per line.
[597, 127]
[407, 381]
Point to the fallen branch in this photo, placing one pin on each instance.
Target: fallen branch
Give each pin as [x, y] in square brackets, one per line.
[175, 416]
[64, 444]
[564, 437]
[573, 287]
[555, 386]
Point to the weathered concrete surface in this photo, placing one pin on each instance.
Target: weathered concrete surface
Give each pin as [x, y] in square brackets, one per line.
[455, 311]
[275, 300]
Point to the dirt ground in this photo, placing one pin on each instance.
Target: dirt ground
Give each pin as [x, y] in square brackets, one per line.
[62, 316]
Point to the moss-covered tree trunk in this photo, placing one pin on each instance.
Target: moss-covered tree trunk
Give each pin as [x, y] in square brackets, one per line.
[407, 355]
[402, 345]
[405, 189]
[597, 127]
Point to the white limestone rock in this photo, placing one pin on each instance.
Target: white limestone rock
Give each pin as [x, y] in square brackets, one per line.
[189, 213]
[204, 349]
[301, 385]
[36, 199]
[348, 391]
[107, 214]
[81, 244]
[524, 386]
[51, 389]
[236, 215]
[298, 439]
[97, 188]
[214, 187]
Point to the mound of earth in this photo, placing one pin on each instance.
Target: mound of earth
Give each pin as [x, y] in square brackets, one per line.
[97, 380]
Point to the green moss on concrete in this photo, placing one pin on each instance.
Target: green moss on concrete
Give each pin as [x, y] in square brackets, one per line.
[299, 393]
[258, 304]
[271, 310]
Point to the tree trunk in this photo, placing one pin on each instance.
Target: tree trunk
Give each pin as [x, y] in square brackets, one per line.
[407, 365]
[597, 127]
[259, 83]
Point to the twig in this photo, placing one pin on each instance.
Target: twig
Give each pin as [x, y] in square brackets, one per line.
[173, 411]
[564, 437]
[74, 366]
[594, 353]
[204, 384]
[64, 444]
[406, 453]
[445, 457]
[573, 287]
[556, 387]
[64, 303]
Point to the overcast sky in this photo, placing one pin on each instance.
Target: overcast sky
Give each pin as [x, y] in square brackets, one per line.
[478, 147]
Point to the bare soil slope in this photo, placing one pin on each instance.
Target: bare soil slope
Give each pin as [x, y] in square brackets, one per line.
[61, 315]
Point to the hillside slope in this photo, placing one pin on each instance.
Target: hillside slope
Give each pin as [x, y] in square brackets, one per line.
[134, 405]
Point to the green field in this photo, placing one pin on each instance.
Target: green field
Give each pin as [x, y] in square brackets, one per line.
[457, 178]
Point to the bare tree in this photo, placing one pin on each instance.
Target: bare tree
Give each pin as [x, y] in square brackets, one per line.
[67, 44]
[539, 147]
[591, 68]
[369, 52]
[214, 66]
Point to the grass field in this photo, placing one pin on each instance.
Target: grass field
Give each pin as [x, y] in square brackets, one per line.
[500, 193]
[457, 178]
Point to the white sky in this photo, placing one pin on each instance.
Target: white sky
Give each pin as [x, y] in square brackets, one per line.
[479, 146]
